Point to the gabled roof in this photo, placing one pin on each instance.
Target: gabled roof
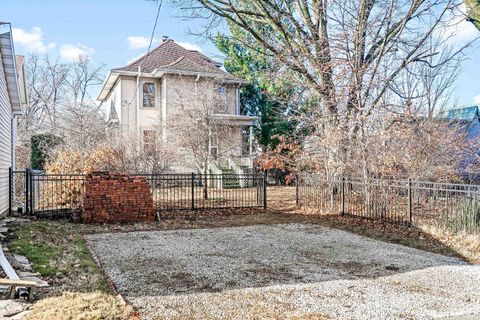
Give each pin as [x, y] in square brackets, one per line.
[170, 56]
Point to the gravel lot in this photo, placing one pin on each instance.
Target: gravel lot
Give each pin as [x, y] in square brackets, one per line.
[286, 271]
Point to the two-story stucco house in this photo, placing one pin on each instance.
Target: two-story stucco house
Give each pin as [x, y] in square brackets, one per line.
[155, 88]
[12, 97]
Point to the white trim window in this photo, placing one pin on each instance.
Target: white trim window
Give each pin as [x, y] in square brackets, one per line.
[148, 94]
[213, 146]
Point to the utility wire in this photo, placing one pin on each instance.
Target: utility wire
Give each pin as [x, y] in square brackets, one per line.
[152, 35]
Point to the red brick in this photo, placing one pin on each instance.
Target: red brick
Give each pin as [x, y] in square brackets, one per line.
[117, 198]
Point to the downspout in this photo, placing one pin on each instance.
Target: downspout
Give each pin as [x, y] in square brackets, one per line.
[195, 94]
[13, 128]
[237, 100]
[137, 114]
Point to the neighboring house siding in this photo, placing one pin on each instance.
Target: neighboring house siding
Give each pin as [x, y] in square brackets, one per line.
[180, 93]
[5, 141]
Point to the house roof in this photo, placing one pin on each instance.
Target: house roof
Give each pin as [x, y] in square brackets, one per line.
[170, 57]
[468, 113]
[9, 66]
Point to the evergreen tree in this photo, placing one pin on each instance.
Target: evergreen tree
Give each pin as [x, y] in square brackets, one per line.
[271, 98]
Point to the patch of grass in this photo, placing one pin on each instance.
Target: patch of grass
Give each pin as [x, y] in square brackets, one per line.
[58, 252]
[88, 264]
[39, 254]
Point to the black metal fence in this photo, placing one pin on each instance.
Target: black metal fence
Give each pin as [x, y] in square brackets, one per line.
[207, 191]
[406, 202]
[34, 192]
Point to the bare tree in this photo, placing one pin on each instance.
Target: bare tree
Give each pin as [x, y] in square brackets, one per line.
[46, 82]
[200, 125]
[350, 54]
[60, 104]
[134, 154]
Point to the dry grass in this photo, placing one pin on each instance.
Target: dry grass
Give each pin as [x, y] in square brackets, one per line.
[73, 306]
[282, 198]
[425, 235]
[467, 245]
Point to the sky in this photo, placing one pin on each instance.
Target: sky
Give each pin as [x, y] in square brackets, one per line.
[113, 32]
[116, 32]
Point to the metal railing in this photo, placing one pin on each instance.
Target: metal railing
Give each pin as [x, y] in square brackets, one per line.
[49, 194]
[452, 206]
[206, 191]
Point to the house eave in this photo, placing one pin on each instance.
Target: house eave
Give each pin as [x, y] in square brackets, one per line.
[234, 119]
[112, 78]
[9, 65]
[224, 78]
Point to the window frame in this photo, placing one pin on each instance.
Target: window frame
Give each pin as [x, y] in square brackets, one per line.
[145, 82]
[213, 144]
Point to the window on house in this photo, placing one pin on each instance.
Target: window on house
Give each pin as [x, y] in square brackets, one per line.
[149, 95]
[246, 141]
[213, 147]
[149, 141]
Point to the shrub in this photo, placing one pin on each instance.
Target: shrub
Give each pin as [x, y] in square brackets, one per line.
[42, 146]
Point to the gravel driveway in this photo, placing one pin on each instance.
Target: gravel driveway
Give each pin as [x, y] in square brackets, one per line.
[286, 271]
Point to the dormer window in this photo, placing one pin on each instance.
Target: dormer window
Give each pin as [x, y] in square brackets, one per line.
[148, 95]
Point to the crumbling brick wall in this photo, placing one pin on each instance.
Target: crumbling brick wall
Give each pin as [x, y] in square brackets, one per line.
[117, 198]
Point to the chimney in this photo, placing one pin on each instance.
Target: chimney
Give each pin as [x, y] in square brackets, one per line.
[164, 38]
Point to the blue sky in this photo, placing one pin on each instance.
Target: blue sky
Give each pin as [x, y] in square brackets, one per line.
[116, 31]
[100, 28]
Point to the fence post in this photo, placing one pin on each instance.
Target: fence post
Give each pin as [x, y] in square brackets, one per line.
[297, 196]
[343, 197]
[410, 204]
[193, 191]
[10, 190]
[27, 179]
[32, 193]
[265, 190]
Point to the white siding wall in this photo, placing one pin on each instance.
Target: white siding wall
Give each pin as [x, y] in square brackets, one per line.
[5, 140]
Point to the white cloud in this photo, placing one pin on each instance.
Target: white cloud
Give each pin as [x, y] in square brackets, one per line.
[190, 46]
[139, 42]
[73, 52]
[31, 40]
[476, 100]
